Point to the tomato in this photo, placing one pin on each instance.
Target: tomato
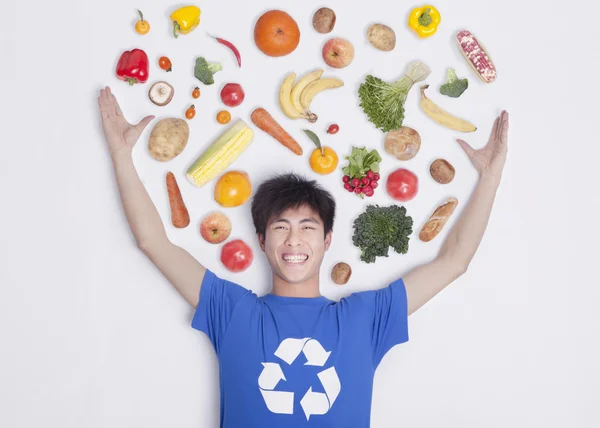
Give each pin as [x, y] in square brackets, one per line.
[232, 95]
[164, 63]
[196, 92]
[190, 112]
[236, 255]
[333, 129]
[402, 185]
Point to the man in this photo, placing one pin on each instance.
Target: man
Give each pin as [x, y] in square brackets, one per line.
[294, 358]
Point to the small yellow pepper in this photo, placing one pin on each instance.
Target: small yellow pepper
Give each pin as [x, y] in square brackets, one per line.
[424, 20]
[185, 19]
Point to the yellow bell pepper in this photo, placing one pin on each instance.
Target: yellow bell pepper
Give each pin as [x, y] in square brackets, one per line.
[424, 20]
[185, 19]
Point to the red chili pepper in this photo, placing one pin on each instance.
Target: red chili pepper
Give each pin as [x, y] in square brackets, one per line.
[230, 46]
[133, 66]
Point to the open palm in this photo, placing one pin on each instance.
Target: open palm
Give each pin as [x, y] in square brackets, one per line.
[491, 158]
[120, 134]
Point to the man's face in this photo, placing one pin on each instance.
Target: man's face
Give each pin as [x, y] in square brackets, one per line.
[295, 244]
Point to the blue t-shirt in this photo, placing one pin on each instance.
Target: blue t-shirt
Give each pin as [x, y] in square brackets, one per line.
[298, 362]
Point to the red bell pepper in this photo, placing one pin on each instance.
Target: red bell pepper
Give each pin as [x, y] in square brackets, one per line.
[133, 66]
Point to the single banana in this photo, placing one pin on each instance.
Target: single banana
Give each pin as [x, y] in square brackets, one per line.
[301, 84]
[313, 88]
[442, 117]
[285, 100]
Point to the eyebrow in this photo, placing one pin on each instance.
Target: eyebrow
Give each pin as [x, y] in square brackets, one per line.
[304, 220]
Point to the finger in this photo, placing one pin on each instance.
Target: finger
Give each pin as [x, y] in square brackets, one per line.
[494, 129]
[467, 148]
[143, 123]
[504, 130]
[117, 107]
[499, 127]
[104, 109]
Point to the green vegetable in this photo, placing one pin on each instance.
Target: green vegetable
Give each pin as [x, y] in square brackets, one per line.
[454, 87]
[378, 228]
[361, 161]
[383, 102]
[205, 71]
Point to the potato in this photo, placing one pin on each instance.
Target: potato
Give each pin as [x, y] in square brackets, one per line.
[324, 20]
[340, 274]
[168, 138]
[382, 37]
[442, 171]
[403, 143]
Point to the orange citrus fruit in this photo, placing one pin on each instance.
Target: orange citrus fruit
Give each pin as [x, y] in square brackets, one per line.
[323, 163]
[233, 189]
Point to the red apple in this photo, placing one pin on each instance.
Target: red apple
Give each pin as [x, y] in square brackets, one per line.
[215, 228]
[338, 53]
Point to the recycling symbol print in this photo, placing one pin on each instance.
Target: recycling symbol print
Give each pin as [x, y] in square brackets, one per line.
[313, 403]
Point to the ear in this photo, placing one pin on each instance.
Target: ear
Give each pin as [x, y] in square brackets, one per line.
[261, 241]
[328, 240]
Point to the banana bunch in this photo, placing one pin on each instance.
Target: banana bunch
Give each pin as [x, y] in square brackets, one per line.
[295, 97]
[442, 117]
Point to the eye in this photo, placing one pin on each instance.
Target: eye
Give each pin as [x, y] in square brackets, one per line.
[279, 227]
[309, 227]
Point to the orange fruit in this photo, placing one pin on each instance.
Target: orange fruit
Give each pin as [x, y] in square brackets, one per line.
[142, 27]
[233, 189]
[323, 163]
[276, 33]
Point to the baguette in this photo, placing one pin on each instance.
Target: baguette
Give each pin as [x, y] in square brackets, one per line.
[438, 219]
[476, 56]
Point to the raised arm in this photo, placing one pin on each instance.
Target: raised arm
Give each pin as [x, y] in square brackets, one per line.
[424, 282]
[176, 264]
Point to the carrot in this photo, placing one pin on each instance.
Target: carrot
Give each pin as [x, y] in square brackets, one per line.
[261, 118]
[179, 213]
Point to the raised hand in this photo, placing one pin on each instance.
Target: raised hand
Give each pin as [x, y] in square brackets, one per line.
[490, 159]
[120, 134]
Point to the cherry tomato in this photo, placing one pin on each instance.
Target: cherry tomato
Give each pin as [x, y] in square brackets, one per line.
[190, 112]
[196, 92]
[165, 63]
[333, 129]
[236, 255]
[223, 117]
[402, 185]
[232, 95]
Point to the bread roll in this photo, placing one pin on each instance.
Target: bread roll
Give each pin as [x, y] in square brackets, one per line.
[438, 219]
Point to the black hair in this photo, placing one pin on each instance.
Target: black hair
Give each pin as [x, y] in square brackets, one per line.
[284, 191]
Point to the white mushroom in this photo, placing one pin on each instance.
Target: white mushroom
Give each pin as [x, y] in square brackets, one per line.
[161, 93]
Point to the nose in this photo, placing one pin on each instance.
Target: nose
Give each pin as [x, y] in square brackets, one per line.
[293, 238]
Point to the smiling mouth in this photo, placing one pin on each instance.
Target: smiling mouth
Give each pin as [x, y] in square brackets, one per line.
[295, 259]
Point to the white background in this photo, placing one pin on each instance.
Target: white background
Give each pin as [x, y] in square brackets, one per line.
[91, 335]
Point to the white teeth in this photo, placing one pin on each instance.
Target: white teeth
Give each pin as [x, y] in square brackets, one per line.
[295, 259]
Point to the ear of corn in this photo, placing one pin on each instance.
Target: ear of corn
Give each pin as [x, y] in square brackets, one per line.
[221, 153]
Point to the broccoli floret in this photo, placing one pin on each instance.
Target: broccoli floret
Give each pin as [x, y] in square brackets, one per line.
[454, 87]
[378, 228]
[205, 71]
